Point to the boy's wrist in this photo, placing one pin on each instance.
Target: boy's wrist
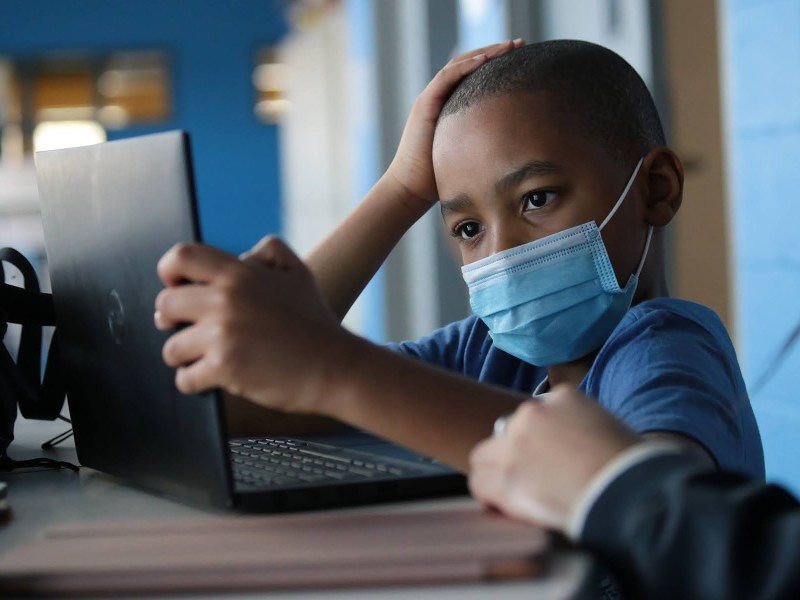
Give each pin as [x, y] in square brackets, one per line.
[336, 386]
[403, 197]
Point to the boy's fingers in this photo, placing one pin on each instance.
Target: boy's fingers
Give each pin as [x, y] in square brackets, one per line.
[195, 378]
[182, 304]
[447, 78]
[193, 262]
[186, 346]
[505, 47]
[463, 65]
[271, 251]
[491, 50]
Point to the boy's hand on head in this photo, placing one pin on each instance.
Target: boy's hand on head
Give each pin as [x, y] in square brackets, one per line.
[256, 327]
[545, 458]
[412, 167]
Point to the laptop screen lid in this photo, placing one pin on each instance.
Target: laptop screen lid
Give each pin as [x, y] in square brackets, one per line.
[109, 213]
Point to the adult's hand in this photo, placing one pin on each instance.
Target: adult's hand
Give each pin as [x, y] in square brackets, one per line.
[545, 458]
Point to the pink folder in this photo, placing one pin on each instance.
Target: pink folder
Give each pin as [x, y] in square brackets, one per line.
[275, 552]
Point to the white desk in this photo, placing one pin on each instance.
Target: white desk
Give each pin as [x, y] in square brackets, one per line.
[43, 498]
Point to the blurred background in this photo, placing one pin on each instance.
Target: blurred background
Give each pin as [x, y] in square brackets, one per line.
[295, 109]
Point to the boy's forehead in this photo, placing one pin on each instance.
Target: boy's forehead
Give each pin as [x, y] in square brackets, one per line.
[518, 107]
[509, 129]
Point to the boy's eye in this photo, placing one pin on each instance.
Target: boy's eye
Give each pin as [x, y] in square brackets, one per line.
[536, 200]
[467, 231]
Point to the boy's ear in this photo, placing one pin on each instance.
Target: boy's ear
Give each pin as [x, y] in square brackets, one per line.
[664, 181]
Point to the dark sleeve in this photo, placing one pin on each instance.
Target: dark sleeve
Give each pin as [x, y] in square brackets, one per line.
[671, 528]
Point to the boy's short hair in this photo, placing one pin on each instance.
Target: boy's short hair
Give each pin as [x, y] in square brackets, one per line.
[596, 92]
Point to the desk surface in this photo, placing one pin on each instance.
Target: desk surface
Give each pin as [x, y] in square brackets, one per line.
[43, 498]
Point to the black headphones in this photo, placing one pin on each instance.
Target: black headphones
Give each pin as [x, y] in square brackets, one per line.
[21, 382]
[37, 398]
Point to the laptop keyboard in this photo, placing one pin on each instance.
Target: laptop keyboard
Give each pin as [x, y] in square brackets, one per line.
[265, 462]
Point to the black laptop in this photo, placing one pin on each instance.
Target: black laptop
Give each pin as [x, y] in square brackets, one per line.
[109, 213]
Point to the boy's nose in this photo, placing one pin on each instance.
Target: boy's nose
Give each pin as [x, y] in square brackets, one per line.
[507, 239]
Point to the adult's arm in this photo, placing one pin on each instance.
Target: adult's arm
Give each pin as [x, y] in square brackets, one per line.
[670, 527]
[661, 518]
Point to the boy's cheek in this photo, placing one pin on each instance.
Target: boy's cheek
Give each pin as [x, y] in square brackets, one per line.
[625, 247]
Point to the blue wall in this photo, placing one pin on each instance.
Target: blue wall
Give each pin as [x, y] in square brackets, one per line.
[212, 44]
[763, 71]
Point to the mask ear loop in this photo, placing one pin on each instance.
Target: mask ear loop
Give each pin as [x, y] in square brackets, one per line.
[616, 207]
[646, 248]
[623, 195]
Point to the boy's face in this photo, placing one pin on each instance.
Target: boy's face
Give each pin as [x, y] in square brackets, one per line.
[509, 173]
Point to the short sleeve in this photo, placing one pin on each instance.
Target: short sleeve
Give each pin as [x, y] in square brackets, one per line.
[665, 370]
[445, 347]
[466, 347]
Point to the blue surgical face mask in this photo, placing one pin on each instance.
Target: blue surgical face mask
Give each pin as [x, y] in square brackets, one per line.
[556, 299]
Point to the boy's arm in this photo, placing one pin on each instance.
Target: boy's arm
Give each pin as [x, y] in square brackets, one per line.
[259, 328]
[669, 371]
[433, 411]
[347, 259]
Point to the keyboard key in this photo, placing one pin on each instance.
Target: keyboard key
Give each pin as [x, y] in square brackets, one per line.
[312, 478]
[268, 461]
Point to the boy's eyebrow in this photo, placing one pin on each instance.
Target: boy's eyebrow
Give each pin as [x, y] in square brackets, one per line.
[535, 168]
[459, 203]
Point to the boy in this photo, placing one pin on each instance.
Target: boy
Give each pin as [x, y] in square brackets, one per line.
[535, 152]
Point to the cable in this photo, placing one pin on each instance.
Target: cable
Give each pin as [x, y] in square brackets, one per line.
[777, 361]
[57, 439]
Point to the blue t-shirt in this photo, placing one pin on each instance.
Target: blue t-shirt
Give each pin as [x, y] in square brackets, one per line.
[668, 366]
